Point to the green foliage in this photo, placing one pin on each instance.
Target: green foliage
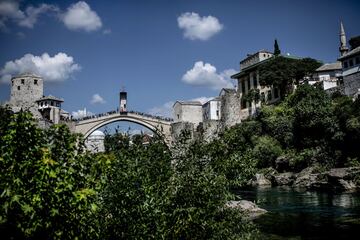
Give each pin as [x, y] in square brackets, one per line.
[283, 72]
[252, 95]
[46, 189]
[266, 151]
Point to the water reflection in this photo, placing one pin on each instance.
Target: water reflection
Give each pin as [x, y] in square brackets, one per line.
[299, 214]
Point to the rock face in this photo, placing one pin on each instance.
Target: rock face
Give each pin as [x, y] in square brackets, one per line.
[260, 180]
[282, 164]
[249, 208]
[284, 179]
[336, 179]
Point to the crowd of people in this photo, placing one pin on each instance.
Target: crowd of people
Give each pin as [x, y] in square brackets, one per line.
[117, 111]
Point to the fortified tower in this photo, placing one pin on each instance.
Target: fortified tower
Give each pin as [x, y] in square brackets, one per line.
[25, 90]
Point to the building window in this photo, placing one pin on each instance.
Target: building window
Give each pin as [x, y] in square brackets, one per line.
[269, 95]
[217, 113]
[35, 81]
[276, 92]
[357, 60]
[52, 103]
[243, 86]
[248, 83]
[345, 64]
[351, 63]
[255, 81]
[178, 116]
[22, 81]
[12, 82]
[243, 104]
[18, 87]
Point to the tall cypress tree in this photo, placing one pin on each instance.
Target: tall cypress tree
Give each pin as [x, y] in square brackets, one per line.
[276, 48]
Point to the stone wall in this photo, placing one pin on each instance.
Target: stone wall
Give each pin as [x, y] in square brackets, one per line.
[230, 109]
[352, 84]
[210, 130]
[178, 127]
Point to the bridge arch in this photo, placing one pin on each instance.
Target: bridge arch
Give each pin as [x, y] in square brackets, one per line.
[158, 126]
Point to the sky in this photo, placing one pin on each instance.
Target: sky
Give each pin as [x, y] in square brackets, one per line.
[159, 51]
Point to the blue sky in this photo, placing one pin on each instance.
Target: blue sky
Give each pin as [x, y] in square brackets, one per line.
[160, 51]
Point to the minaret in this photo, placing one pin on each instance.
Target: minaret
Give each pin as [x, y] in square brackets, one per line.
[343, 48]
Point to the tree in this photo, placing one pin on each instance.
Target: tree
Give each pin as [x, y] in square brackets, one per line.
[47, 191]
[283, 72]
[276, 48]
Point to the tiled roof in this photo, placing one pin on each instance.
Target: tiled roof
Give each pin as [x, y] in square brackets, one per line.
[189, 103]
[329, 67]
[351, 53]
[50, 97]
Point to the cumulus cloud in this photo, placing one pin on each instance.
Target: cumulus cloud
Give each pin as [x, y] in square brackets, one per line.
[97, 99]
[205, 74]
[81, 113]
[164, 110]
[10, 11]
[198, 28]
[53, 69]
[80, 16]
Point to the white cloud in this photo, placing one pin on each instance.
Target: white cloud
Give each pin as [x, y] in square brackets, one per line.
[81, 113]
[79, 16]
[196, 27]
[165, 110]
[54, 69]
[9, 10]
[205, 74]
[97, 99]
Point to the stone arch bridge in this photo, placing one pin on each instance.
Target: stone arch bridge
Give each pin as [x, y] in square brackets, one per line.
[158, 125]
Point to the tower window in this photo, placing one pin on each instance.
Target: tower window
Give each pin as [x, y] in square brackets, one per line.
[345, 64]
[35, 81]
[12, 82]
[18, 87]
[22, 81]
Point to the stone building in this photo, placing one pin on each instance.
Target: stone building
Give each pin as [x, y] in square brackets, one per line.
[25, 90]
[27, 93]
[188, 111]
[350, 61]
[327, 75]
[211, 109]
[248, 79]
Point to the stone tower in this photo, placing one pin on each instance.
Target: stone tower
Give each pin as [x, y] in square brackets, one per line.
[123, 101]
[343, 48]
[25, 90]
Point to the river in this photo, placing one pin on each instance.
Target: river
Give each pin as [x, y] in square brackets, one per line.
[300, 214]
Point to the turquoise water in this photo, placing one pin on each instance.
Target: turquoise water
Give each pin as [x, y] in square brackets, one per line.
[299, 214]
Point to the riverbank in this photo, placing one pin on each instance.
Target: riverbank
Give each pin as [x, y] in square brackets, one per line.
[311, 178]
